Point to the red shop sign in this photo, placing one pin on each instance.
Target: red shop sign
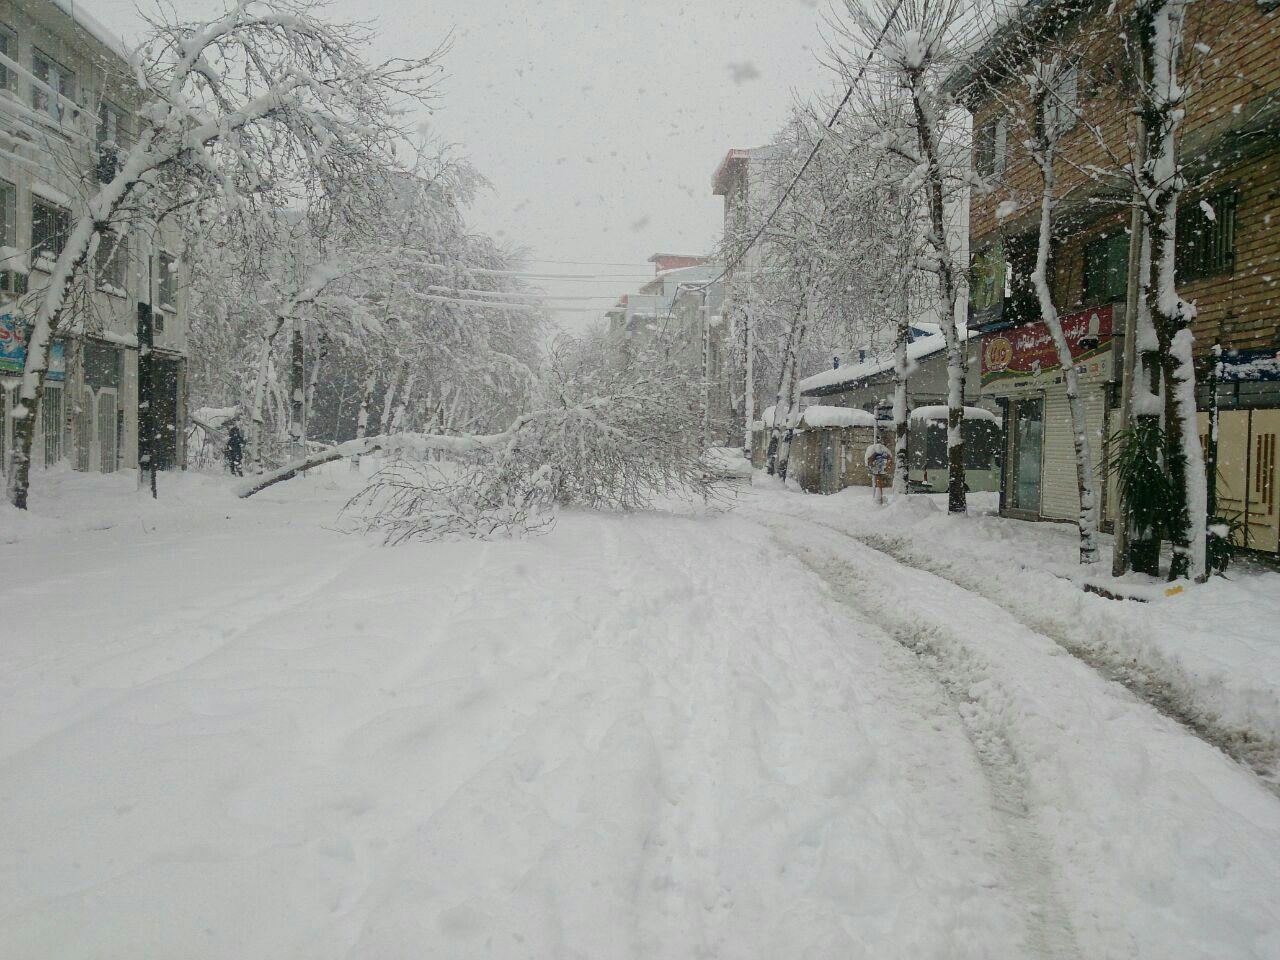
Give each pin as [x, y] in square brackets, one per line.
[1028, 351]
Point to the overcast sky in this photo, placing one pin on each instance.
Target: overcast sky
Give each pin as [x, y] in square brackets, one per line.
[598, 122]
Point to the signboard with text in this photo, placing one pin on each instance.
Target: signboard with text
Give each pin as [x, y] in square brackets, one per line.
[1025, 356]
[13, 350]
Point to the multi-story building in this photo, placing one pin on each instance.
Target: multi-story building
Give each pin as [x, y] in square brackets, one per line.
[642, 316]
[1228, 243]
[67, 109]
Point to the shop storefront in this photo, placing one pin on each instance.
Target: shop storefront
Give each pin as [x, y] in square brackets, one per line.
[51, 439]
[1248, 458]
[1021, 373]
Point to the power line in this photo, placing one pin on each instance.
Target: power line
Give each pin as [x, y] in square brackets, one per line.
[502, 295]
[499, 305]
[584, 263]
[848, 94]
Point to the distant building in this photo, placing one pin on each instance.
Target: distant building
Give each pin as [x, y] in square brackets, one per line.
[68, 105]
[741, 180]
[640, 317]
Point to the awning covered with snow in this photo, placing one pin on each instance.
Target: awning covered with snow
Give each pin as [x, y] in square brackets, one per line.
[939, 412]
[819, 416]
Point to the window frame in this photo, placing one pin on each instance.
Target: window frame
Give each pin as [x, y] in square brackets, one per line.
[991, 153]
[9, 36]
[991, 256]
[1099, 247]
[1061, 109]
[8, 213]
[119, 260]
[110, 110]
[39, 254]
[166, 269]
[67, 91]
[1198, 258]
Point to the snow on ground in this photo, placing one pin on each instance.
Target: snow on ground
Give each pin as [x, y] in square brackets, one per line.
[1211, 651]
[227, 730]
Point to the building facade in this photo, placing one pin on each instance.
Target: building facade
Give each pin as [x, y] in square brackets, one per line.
[1228, 261]
[868, 385]
[67, 110]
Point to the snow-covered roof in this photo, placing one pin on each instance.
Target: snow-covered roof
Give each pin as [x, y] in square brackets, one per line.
[820, 416]
[853, 374]
[939, 412]
[91, 25]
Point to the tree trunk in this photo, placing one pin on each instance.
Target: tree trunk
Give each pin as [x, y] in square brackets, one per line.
[322, 350]
[362, 418]
[297, 387]
[780, 430]
[1087, 518]
[748, 381]
[1160, 181]
[934, 188]
[398, 420]
[900, 421]
[388, 402]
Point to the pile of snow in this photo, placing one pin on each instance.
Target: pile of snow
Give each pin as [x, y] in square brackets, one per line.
[939, 412]
[819, 416]
[727, 462]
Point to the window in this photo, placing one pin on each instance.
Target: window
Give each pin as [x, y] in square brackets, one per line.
[1106, 267]
[110, 261]
[8, 214]
[55, 77]
[1061, 106]
[986, 284]
[50, 225]
[8, 47]
[113, 135]
[992, 147]
[168, 282]
[112, 125]
[1207, 236]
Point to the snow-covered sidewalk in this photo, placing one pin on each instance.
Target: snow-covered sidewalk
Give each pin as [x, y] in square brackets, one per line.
[227, 730]
[1209, 654]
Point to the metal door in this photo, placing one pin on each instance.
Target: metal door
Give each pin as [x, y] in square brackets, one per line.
[1233, 463]
[1262, 517]
[830, 479]
[106, 432]
[86, 454]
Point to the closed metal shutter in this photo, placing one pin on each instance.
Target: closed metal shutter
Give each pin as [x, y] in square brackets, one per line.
[1060, 494]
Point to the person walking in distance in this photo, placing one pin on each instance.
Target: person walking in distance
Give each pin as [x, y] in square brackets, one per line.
[235, 451]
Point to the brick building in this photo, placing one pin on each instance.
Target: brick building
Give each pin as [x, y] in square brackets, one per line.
[1228, 242]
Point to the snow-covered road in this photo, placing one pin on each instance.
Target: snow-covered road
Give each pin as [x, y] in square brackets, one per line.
[228, 731]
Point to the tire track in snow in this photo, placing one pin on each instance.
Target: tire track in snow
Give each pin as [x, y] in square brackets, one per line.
[1028, 865]
[1252, 750]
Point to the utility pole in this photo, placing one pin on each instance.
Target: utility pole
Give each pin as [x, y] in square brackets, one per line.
[706, 372]
[146, 398]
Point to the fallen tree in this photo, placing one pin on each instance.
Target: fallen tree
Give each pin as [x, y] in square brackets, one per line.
[611, 433]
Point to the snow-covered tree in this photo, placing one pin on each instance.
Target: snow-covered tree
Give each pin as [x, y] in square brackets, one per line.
[915, 42]
[1051, 114]
[1164, 315]
[265, 99]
